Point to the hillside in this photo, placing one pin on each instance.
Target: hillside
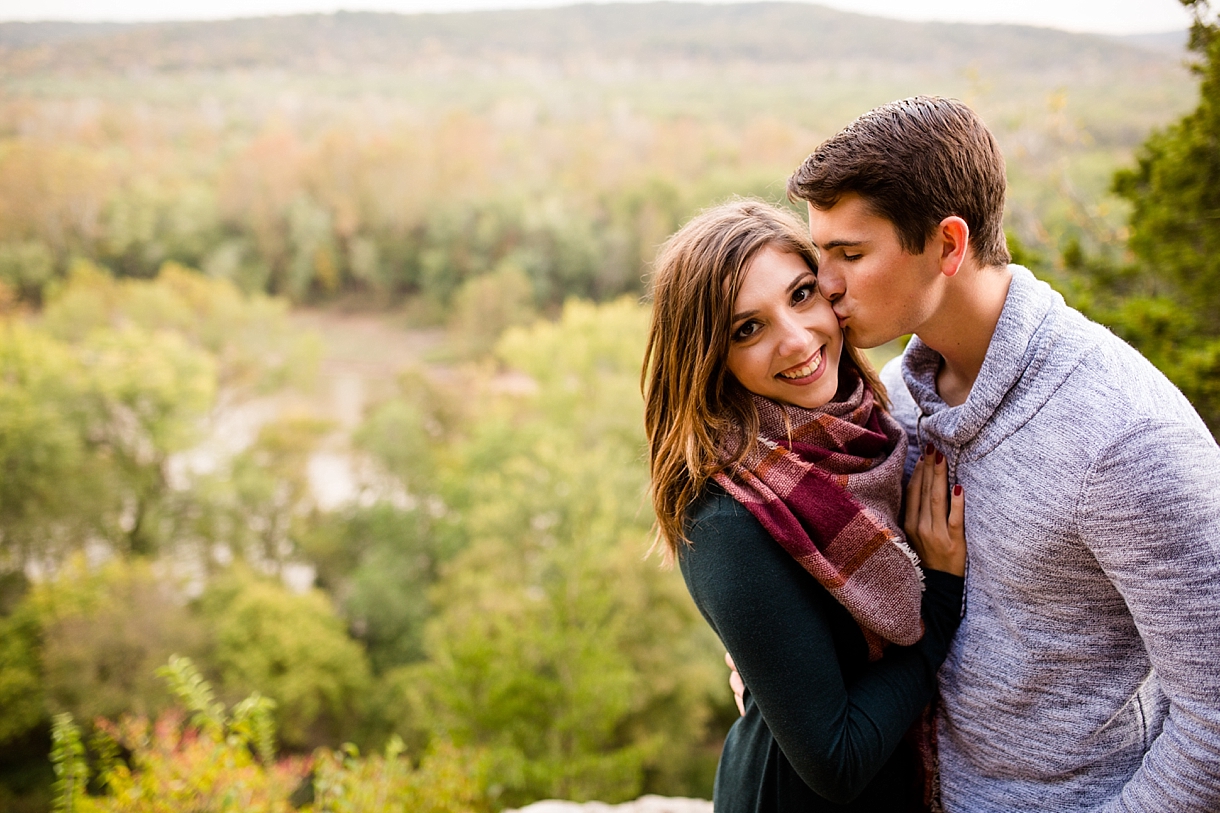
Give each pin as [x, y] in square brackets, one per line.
[763, 33]
[255, 146]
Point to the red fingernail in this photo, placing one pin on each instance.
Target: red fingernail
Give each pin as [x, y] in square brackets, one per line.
[957, 490]
[940, 458]
[928, 451]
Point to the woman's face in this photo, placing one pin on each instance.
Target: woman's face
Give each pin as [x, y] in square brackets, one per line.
[785, 341]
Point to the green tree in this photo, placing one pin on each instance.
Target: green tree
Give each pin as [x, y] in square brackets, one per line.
[115, 380]
[292, 648]
[379, 561]
[158, 218]
[1169, 305]
[56, 487]
[485, 306]
[151, 391]
[262, 503]
[86, 433]
[22, 699]
[583, 668]
[249, 336]
[87, 642]
[408, 433]
[26, 267]
[104, 632]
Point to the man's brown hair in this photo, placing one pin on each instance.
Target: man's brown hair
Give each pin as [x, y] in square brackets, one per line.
[915, 162]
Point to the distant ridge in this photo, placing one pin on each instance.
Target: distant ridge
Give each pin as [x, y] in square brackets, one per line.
[54, 32]
[1174, 41]
[766, 33]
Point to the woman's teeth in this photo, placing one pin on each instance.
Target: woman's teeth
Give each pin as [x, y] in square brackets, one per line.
[801, 372]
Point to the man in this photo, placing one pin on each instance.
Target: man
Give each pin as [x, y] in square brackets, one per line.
[1086, 672]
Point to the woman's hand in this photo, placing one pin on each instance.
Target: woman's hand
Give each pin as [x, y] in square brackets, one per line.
[934, 529]
[736, 684]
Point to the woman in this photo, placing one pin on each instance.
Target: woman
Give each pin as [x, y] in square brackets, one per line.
[776, 480]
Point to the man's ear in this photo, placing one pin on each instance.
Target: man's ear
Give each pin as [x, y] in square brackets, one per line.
[954, 236]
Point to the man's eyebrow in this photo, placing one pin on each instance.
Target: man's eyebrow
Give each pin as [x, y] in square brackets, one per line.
[840, 243]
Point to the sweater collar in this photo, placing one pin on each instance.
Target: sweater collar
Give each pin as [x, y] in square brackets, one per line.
[1023, 367]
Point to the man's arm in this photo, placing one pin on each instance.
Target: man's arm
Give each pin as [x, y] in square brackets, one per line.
[1150, 511]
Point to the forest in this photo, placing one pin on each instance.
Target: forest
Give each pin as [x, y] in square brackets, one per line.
[320, 340]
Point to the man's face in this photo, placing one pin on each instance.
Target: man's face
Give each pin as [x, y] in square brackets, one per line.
[878, 290]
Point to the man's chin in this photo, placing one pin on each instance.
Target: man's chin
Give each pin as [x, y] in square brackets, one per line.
[862, 340]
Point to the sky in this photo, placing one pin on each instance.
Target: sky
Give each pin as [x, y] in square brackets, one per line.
[1101, 16]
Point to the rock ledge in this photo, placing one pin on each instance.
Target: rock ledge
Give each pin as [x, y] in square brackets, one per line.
[644, 804]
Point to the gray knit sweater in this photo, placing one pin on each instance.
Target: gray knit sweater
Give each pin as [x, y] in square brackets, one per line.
[1086, 673]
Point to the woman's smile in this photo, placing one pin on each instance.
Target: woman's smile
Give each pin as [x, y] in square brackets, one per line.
[811, 370]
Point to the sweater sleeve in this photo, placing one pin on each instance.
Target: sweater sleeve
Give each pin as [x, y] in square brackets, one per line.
[1150, 512]
[774, 619]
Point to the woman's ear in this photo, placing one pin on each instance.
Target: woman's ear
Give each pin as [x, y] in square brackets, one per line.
[954, 234]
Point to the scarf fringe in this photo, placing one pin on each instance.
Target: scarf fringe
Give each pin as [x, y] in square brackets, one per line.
[902, 545]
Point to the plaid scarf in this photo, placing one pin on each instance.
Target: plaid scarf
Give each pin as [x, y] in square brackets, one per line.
[826, 483]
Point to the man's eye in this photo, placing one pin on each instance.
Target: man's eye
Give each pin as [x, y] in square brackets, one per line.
[851, 258]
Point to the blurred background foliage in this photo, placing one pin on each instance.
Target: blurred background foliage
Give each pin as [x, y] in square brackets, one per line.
[388, 157]
[319, 365]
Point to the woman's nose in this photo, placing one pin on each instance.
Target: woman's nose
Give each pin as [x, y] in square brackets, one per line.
[794, 337]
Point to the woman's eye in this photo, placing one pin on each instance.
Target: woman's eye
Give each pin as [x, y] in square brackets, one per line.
[804, 293]
[745, 331]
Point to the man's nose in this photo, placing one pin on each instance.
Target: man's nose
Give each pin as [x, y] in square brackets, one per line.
[830, 283]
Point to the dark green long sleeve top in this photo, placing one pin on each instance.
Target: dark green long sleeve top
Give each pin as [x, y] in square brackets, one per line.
[823, 728]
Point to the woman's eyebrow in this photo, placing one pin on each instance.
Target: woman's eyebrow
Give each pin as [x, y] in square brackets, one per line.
[800, 278]
[737, 317]
[792, 286]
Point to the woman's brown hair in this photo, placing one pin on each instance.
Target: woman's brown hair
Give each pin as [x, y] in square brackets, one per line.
[690, 398]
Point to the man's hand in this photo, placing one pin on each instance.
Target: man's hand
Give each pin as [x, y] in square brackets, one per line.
[736, 684]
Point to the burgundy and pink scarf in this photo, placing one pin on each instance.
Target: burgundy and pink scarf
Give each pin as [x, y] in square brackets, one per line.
[826, 483]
